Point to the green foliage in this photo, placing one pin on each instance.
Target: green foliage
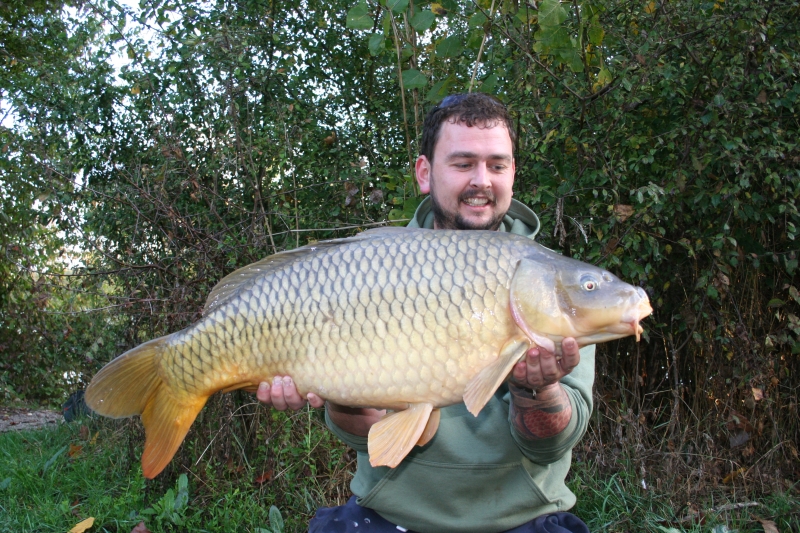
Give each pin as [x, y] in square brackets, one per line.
[659, 140]
[172, 507]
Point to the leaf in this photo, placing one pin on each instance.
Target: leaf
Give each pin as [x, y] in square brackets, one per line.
[275, 519]
[438, 9]
[376, 42]
[733, 475]
[74, 449]
[551, 13]
[422, 20]
[359, 18]
[596, 34]
[5, 483]
[264, 477]
[623, 212]
[438, 91]
[489, 84]
[758, 394]
[80, 527]
[794, 294]
[140, 528]
[603, 78]
[769, 526]
[397, 6]
[650, 8]
[450, 46]
[414, 79]
[550, 39]
[477, 20]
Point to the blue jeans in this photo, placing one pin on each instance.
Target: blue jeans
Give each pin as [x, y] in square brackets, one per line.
[352, 518]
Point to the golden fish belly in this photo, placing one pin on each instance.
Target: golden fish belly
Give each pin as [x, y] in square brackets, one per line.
[402, 322]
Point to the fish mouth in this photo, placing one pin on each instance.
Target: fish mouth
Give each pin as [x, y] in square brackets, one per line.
[643, 310]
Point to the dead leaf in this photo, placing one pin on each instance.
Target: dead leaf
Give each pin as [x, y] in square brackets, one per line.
[80, 527]
[622, 211]
[265, 477]
[74, 449]
[762, 97]
[83, 432]
[758, 394]
[140, 528]
[738, 421]
[769, 526]
[733, 475]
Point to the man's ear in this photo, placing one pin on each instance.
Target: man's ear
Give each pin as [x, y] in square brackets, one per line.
[423, 171]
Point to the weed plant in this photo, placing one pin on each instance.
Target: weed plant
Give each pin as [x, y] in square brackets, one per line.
[245, 468]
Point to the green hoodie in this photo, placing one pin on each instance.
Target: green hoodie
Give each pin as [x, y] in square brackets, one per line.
[478, 474]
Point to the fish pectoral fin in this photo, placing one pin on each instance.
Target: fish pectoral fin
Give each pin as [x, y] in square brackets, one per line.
[394, 435]
[430, 428]
[481, 388]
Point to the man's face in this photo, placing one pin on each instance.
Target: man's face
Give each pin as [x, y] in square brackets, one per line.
[471, 178]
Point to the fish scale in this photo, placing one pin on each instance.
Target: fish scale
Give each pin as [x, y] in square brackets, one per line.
[407, 315]
[410, 320]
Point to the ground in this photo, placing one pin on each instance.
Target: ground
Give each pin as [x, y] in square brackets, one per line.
[16, 418]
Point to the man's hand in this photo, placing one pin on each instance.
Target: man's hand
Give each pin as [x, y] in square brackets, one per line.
[541, 367]
[540, 407]
[282, 395]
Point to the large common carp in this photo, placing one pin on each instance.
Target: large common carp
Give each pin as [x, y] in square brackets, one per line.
[396, 318]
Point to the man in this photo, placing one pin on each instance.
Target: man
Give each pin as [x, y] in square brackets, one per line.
[503, 470]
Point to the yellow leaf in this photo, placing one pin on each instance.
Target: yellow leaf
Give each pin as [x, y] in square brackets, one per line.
[438, 9]
[135, 89]
[80, 527]
[733, 475]
[650, 8]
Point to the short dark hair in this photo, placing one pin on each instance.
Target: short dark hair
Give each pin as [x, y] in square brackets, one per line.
[473, 109]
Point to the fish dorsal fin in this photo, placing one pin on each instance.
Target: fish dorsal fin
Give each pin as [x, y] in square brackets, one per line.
[231, 284]
[394, 435]
[481, 388]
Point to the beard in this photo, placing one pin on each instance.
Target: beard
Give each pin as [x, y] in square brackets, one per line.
[445, 219]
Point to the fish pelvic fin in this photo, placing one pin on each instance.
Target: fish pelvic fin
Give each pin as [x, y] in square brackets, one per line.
[481, 388]
[131, 385]
[394, 435]
[166, 420]
[430, 428]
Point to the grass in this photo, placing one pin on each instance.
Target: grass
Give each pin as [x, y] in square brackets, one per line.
[619, 503]
[51, 479]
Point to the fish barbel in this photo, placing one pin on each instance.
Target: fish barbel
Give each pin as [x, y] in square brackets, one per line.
[410, 320]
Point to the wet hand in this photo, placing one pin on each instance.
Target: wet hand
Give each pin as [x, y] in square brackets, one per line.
[282, 394]
[542, 368]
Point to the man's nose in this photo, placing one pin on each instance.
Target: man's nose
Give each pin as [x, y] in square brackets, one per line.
[480, 177]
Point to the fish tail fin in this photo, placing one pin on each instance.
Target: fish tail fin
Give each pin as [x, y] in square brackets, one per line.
[131, 385]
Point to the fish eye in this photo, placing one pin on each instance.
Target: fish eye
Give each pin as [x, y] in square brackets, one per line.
[588, 283]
